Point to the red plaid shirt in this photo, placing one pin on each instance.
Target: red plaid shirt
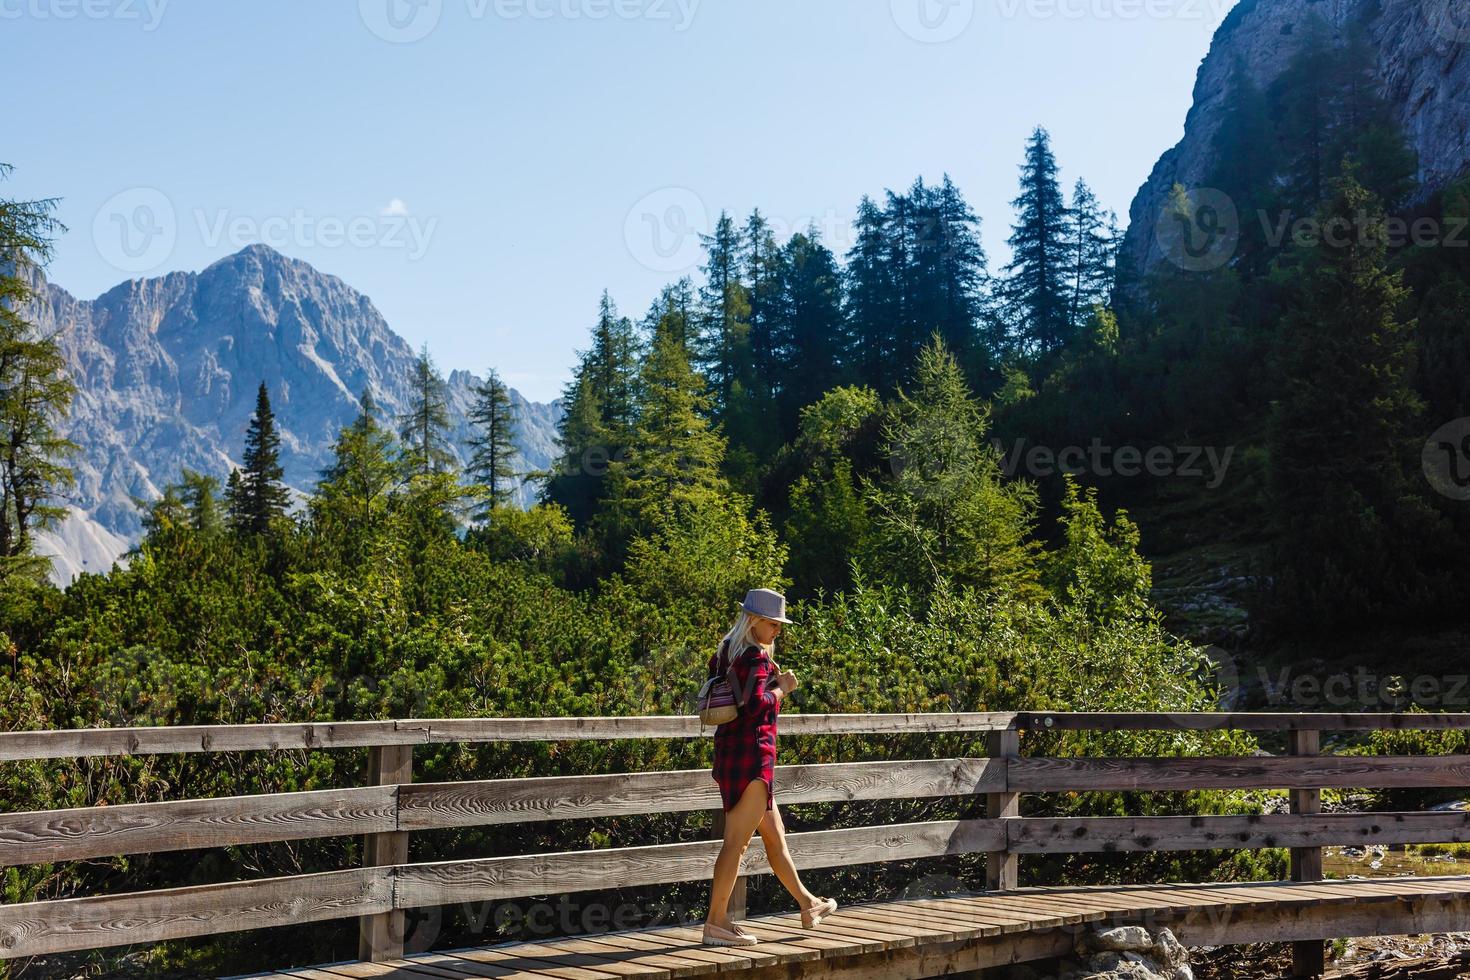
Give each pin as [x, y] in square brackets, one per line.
[745, 749]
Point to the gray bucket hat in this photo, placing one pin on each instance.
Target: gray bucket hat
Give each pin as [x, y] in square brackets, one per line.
[767, 603]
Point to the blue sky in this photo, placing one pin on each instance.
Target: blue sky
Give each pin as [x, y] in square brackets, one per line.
[482, 169]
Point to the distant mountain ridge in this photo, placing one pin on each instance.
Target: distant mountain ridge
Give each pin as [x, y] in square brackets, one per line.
[167, 371]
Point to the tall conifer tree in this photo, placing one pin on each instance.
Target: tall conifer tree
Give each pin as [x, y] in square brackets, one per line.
[1036, 289]
[258, 496]
[870, 310]
[424, 428]
[1356, 537]
[1092, 241]
[493, 446]
[810, 343]
[35, 393]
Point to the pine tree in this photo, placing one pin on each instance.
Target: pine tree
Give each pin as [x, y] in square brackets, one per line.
[723, 353]
[676, 454]
[258, 497]
[424, 428]
[760, 259]
[1092, 241]
[809, 340]
[493, 446]
[959, 273]
[948, 513]
[674, 312]
[353, 496]
[235, 501]
[1329, 107]
[600, 404]
[200, 495]
[1036, 285]
[1355, 535]
[870, 308]
[576, 480]
[613, 366]
[902, 230]
[34, 394]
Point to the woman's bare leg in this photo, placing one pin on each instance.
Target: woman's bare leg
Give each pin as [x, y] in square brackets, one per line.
[778, 856]
[740, 824]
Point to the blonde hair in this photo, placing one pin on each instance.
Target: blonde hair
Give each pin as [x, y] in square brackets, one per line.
[740, 636]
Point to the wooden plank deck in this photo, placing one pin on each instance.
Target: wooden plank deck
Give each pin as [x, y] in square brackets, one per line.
[923, 937]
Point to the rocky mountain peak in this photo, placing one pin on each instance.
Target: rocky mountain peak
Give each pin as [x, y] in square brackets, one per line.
[167, 370]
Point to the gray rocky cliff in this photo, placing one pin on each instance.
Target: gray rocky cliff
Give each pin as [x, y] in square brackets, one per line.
[1422, 58]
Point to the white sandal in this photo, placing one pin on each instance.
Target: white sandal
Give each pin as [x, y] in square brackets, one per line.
[720, 936]
[812, 917]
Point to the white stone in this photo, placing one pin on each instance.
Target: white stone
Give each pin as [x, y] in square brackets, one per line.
[1134, 938]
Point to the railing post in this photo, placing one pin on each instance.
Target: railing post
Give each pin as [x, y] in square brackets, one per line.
[380, 937]
[1308, 957]
[737, 895]
[1001, 867]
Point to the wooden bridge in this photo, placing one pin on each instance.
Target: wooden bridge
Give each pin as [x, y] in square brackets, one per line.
[923, 937]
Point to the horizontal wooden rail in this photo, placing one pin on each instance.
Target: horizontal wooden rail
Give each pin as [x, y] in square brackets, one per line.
[38, 928]
[427, 806]
[1244, 721]
[1079, 835]
[86, 743]
[1056, 775]
[44, 836]
[488, 879]
[92, 832]
[92, 742]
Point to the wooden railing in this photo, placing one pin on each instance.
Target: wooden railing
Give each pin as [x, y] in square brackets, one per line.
[392, 806]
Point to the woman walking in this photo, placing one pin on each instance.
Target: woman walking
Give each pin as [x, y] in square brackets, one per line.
[745, 766]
